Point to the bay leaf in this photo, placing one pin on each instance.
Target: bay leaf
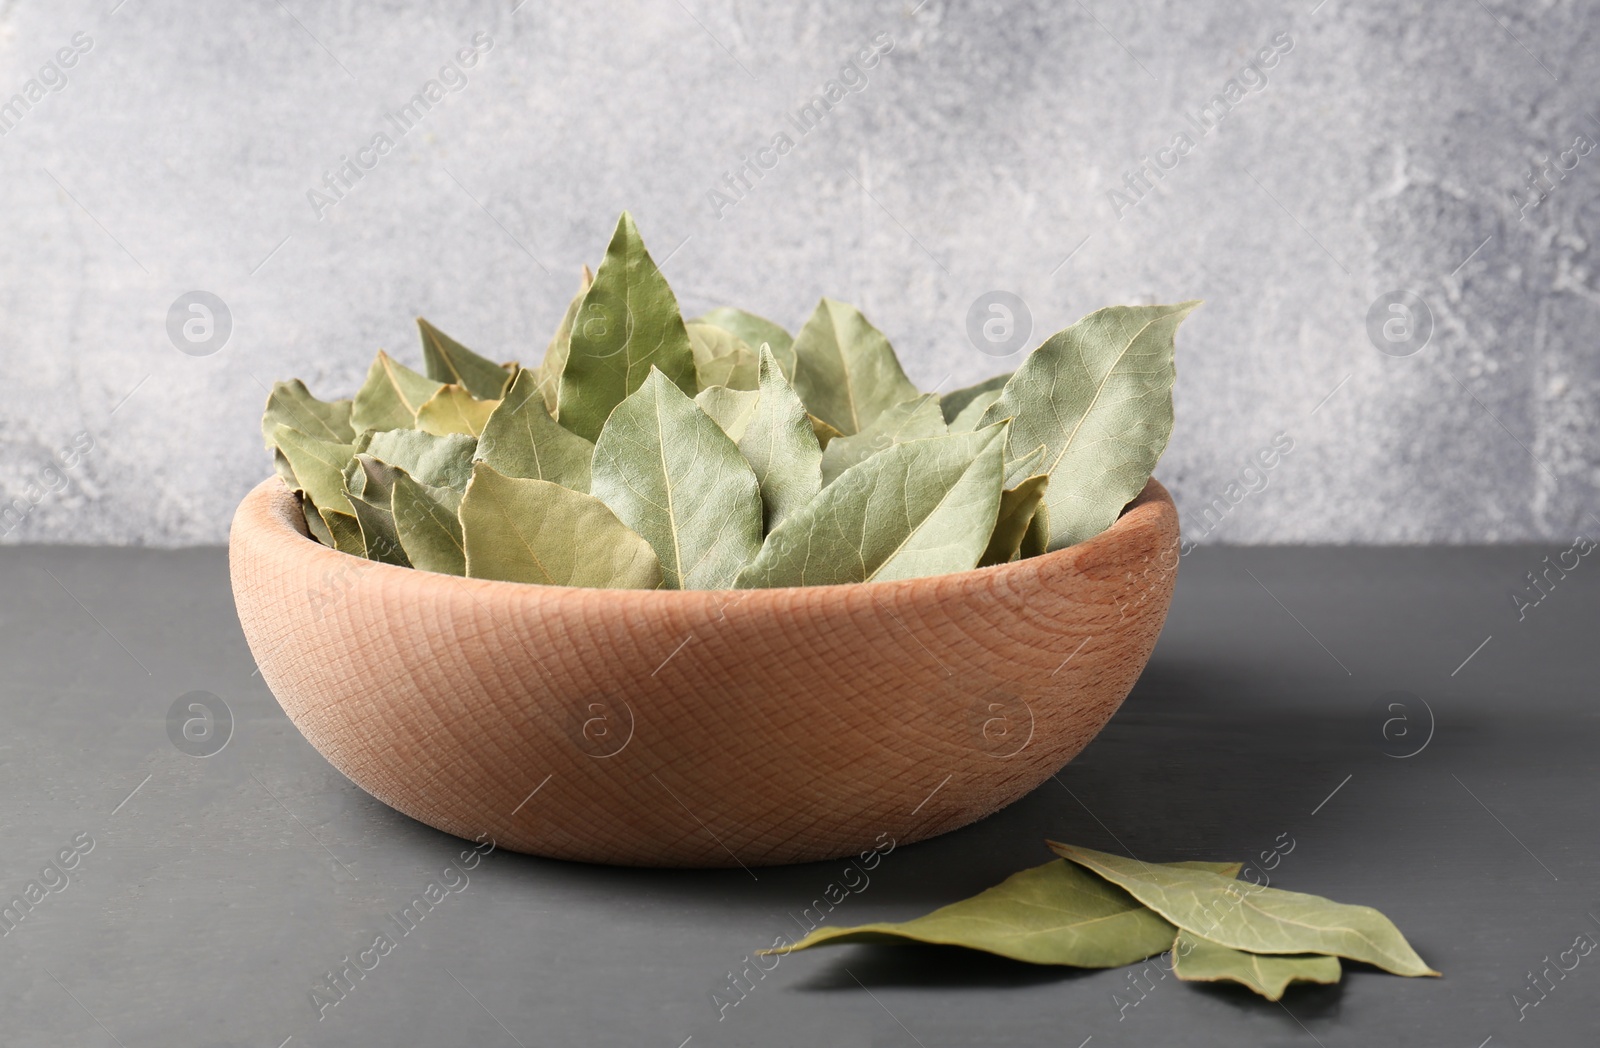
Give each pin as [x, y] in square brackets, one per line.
[369, 485]
[521, 530]
[925, 507]
[1052, 914]
[555, 354]
[314, 520]
[1022, 467]
[755, 330]
[971, 416]
[1036, 540]
[343, 530]
[426, 520]
[907, 420]
[285, 472]
[956, 401]
[1256, 919]
[671, 474]
[729, 408]
[318, 467]
[628, 323]
[454, 410]
[441, 462]
[291, 404]
[1195, 959]
[781, 445]
[1099, 396]
[520, 439]
[822, 431]
[391, 396]
[845, 370]
[448, 361]
[1017, 507]
[722, 358]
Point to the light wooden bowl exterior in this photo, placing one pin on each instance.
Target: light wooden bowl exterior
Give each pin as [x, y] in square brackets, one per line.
[699, 728]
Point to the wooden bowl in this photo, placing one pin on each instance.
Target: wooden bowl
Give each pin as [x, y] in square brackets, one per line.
[700, 728]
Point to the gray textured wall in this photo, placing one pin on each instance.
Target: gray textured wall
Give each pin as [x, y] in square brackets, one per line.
[1389, 150]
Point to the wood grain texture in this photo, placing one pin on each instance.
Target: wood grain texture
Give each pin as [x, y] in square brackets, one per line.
[700, 728]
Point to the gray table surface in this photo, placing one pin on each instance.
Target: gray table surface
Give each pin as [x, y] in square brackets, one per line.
[210, 895]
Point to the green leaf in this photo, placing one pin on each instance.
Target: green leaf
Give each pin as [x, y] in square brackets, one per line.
[1036, 540]
[1200, 960]
[722, 358]
[925, 507]
[448, 361]
[970, 417]
[845, 370]
[1253, 918]
[755, 331]
[441, 462]
[291, 404]
[907, 420]
[1099, 396]
[369, 485]
[315, 522]
[729, 408]
[555, 354]
[318, 467]
[342, 529]
[426, 520]
[454, 410]
[522, 530]
[522, 440]
[822, 431]
[957, 400]
[1017, 507]
[671, 474]
[1051, 914]
[628, 323]
[781, 446]
[391, 396]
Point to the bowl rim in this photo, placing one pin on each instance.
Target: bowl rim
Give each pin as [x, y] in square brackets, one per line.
[275, 516]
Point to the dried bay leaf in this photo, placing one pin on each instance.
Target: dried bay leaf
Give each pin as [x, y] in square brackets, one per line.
[628, 323]
[318, 467]
[1017, 507]
[673, 476]
[369, 485]
[755, 331]
[555, 354]
[1195, 959]
[520, 439]
[441, 462]
[957, 400]
[971, 416]
[1255, 919]
[907, 420]
[822, 431]
[426, 520]
[845, 370]
[722, 358]
[521, 530]
[343, 531]
[1099, 396]
[391, 396]
[729, 408]
[448, 361]
[781, 445]
[454, 410]
[925, 507]
[291, 404]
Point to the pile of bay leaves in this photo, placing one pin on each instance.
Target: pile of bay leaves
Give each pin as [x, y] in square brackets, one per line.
[1089, 909]
[649, 452]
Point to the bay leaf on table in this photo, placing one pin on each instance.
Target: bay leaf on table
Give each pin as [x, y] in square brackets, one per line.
[957, 400]
[391, 396]
[729, 408]
[520, 530]
[721, 358]
[1017, 506]
[970, 417]
[781, 445]
[318, 467]
[555, 353]
[441, 462]
[671, 474]
[908, 420]
[1256, 919]
[845, 370]
[755, 330]
[448, 361]
[291, 404]
[520, 439]
[454, 410]
[628, 323]
[1099, 396]
[925, 507]
[1057, 913]
[1195, 959]
[427, 522]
